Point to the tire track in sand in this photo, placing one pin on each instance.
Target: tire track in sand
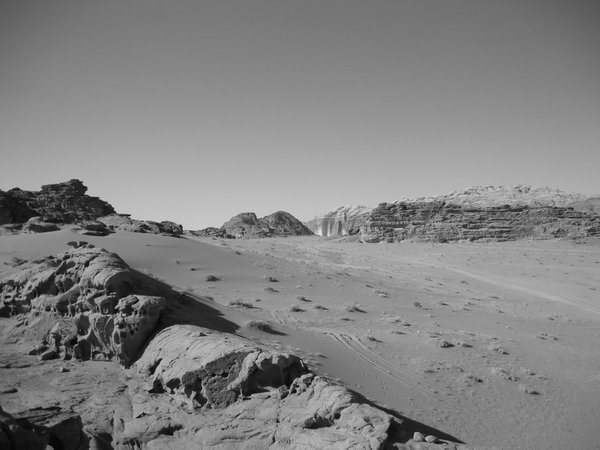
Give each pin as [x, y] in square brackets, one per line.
[403, 376]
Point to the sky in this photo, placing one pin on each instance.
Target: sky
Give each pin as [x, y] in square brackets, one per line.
[194, 111]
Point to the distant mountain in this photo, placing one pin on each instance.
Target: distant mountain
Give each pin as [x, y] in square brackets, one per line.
[247, 225]
[346, 220]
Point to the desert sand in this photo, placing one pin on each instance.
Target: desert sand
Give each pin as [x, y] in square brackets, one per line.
[491, 344]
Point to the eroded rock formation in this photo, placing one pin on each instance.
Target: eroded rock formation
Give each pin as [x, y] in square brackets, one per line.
[346, 220]
[280, 223]
[99, 305]
[67, 203]
[445, 222]
[57, 203]
[122, 222]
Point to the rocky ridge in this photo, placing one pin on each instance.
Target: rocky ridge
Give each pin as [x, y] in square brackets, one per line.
[439, 221]
[189, 382]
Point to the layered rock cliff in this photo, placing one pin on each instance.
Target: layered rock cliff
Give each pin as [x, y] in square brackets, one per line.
[477, 213]
[444, 222]
[346, 220]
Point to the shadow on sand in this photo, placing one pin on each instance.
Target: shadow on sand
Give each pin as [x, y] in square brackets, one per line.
[403, 428]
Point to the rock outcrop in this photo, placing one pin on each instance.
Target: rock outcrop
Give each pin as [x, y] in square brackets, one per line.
[284, 224]
[346, 220]
[96, 303]
[480, 213]
[123, 222]
[280, 223]
[190, 382]
[67, 203]
[439, 221]
[57, 203]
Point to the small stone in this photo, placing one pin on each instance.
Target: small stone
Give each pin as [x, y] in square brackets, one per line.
[418, 437]
[63, 369]
[431, 439]
[8, 390]
[48, 354]
[271, 279]
[212, 278]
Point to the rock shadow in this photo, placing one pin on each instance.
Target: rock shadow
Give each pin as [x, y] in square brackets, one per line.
[403, 428]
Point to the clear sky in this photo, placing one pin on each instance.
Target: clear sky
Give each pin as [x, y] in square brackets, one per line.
[193, 110]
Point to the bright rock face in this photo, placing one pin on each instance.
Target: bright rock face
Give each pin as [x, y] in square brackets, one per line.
[346, 220]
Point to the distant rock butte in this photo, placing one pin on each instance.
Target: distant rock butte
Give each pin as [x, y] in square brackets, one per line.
[247, 225]
[191, 382]
[346, 220]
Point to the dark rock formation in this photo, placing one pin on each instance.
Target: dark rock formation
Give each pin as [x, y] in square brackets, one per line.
[439, 221]
[42, 428]
[57, 203]
[346, 220]
[280, 223]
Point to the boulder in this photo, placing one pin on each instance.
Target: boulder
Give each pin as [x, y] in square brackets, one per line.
[38, 225]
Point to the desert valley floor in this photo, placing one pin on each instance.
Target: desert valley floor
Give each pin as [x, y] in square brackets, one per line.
[491, 344]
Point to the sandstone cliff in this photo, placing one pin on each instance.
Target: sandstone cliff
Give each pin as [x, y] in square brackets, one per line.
[440, 221]
[346, 220]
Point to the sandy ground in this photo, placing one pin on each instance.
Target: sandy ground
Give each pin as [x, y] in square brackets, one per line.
[492, 344]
